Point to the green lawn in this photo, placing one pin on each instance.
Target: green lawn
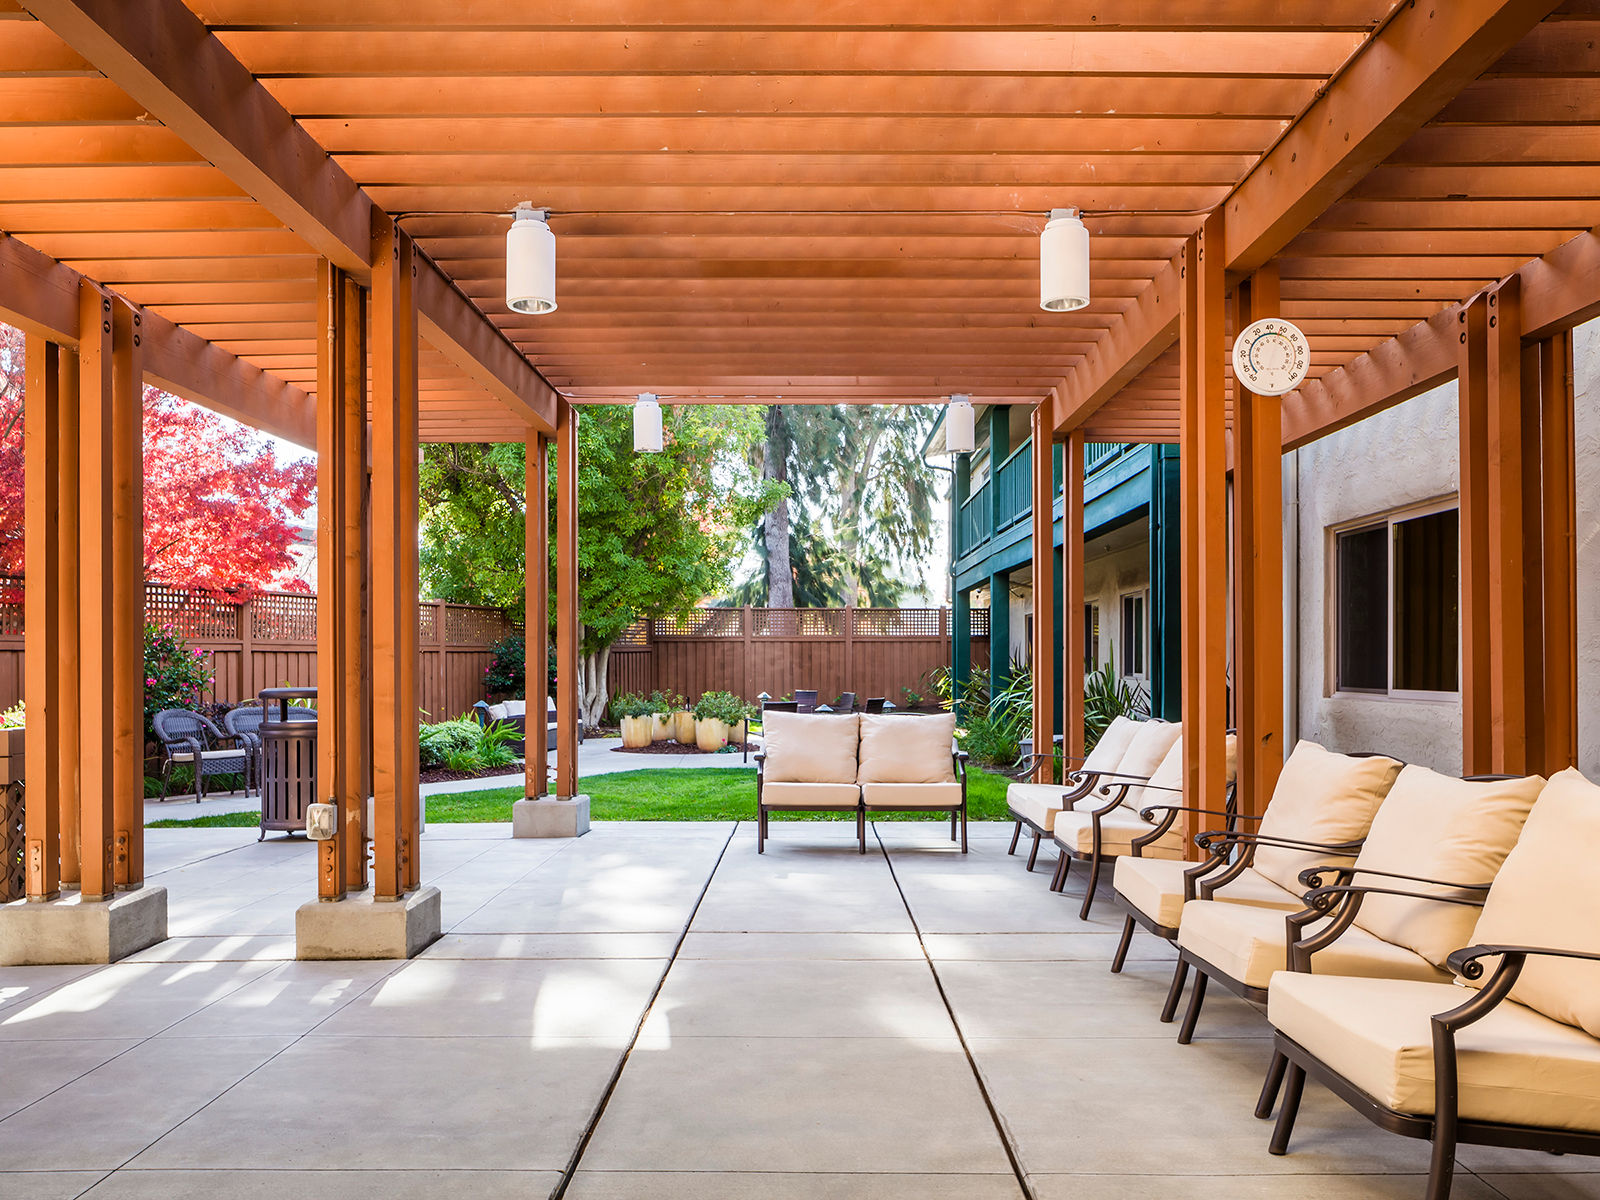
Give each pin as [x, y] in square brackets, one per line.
[671, 794]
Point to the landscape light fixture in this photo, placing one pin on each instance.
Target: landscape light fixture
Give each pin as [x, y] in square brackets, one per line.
[1063, 262]
[530, 262]
[960, 427]
[646, 424]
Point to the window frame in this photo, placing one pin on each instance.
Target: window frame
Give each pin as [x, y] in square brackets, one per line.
[1388, 520]
[1142, 595]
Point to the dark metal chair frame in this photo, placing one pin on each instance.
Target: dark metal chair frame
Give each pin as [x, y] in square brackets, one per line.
[1444, 1128]
[243, 722]
[196, 734]
[1075, 786]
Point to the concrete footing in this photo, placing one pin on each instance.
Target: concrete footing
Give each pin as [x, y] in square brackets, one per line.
[361, 927]
[74, 930]
[548, 817]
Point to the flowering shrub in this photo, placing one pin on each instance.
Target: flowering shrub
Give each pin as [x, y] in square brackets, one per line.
[505, 676]
[14, 717]
[175, 674]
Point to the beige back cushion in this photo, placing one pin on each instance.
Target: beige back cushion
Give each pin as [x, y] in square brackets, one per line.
[907, 749]
[1548, 894]
[516, 708]
[1166, 785]
[810, 747]
[1113, 744]
[1321, 797]
[1439, 827]
[1151, 742]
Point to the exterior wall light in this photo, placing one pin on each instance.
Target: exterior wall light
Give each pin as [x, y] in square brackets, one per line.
[646, 425]
[530, 262]
[1063, 262]
[960, 427]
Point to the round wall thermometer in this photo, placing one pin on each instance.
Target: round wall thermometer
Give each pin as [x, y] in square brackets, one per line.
[1270, 357]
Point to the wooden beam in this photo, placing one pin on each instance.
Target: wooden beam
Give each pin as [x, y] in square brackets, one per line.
[568, 628]
[163, 56]
[1258, 568]
[1561, 290]
[1399, 80]
[1045, 633]
[455, 327]
[187, 365]
[43, 552]
[536, 620]
[1204, 520]
[395, 704]
[1134, 340]
[37, 294]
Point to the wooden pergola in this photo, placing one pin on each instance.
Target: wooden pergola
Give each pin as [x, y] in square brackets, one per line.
[293, 211]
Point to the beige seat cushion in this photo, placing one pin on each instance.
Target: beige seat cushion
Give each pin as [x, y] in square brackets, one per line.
[1155, 887]
[911, 795]
[1320, 797]
[1439, 827]
[1118, 828]
[1037, 802]
[810, 747]
[1113, 745]
[1548, 894]
[810, 795]
[1516, 1066]
[1249, 943]
[907, 749]
[498, 712]
[210, 755]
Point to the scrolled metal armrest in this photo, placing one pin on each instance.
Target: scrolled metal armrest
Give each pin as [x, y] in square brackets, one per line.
[1189, 808]
[1311, 877]
[1465, 962]
[1256, 839]
[1322, 899]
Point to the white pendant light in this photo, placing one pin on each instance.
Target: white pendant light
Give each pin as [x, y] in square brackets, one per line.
[960, 428]
[1063, 262]
[530, 262]
[646, 425]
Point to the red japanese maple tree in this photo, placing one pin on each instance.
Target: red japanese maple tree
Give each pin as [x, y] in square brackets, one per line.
[221, 513]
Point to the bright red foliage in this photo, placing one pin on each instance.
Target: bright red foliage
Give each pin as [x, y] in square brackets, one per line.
[220, 513]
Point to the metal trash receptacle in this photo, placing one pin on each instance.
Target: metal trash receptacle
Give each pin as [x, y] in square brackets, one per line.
[288, 759]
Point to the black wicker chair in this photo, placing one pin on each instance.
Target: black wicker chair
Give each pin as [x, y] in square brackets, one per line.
[192, 739]
[244, 725]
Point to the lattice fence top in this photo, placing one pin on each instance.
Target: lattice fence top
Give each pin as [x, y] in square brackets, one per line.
[284, 617]
[468, 625]
[427, 625]
[979, 622]
[702, 622]
[899, 622]
[192, 615]
[798, 622]
[635, 636]
[10, 606]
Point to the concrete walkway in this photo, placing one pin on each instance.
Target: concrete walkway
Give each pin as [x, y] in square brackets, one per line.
[656, 1011]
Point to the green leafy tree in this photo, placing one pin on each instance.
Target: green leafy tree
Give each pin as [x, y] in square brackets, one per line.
[657, 533]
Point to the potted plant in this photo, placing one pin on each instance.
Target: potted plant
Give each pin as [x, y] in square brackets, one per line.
[740, 733]
[662, 706]
[683, 722]
[632, 711]
[715, 713]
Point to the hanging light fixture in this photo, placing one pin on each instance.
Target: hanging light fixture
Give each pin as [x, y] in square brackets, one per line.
[646, 425]
[960, 428]
[530, 262]
[1063, 262]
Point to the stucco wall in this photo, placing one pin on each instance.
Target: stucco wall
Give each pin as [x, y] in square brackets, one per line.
[1106, 578]
[1404, 456]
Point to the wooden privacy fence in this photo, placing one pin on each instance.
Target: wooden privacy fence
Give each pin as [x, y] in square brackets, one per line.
[271, 641]
[868, 651]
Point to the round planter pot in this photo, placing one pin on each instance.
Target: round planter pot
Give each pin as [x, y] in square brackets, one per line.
[740, 732]
[660, 726]
[710, 734]
[637, 732]
[683, 727]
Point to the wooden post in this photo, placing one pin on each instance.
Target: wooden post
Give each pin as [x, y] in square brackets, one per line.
[1477, 754]
[1559, 554]
[849, 619]
[344, 722]
[111, 595]
[1202, 428]
[1044, 597]
[441, 661]
[536, 625]
[1073, 648]
[68, 663]
[43, 552]
[747, 629]
[567, 627]
[247, 650]
[1258, 567]
[396, 799]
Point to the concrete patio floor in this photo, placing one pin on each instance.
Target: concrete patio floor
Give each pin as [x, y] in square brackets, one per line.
[662, 1013]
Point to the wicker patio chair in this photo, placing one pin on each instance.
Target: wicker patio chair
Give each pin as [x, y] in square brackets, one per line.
[847, 703]
[806, 700]
[874, 704]
[244, 725]
[191, 738]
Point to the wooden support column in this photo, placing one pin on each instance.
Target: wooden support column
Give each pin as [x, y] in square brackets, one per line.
[43, 554]
[111, 594]
[67, 661]
[1559, 554]
[1073, 632]
[344, 719]
[1477, 754]
[1202, 425]
[1045, 634]
[568, 630]
[395, 641]
[1258, 567]
[537, 620]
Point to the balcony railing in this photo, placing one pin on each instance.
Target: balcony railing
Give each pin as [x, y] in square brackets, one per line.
[976, 519]
[1014, 488]
[1095, 453]
[1007, 498]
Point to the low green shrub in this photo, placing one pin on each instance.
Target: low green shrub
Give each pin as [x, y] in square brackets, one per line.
[721, 706]
[630, 704]
[438, 741]
[990, 742]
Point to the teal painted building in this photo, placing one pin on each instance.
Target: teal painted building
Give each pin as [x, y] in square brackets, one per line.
[1130, 594]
